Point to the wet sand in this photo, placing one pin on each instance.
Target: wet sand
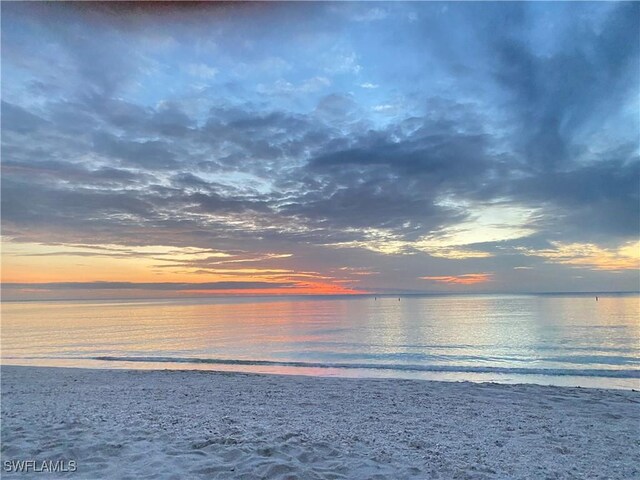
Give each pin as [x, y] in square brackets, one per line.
[120, 424]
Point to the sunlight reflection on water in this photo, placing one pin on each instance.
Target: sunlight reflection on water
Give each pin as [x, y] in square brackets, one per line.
[505, 338]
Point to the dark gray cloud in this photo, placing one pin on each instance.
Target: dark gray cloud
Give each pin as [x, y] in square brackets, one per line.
[17, 119]
[554, 96]
[55, 170]
[69, 207]
[387, 180]
[148, 154]
[596, 201]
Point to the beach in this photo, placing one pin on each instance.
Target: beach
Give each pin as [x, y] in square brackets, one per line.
[137, 424]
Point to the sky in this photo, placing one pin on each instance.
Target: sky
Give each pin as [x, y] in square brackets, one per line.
[179, 149]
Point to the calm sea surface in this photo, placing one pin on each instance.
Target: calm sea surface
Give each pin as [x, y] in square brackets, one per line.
[546, 339]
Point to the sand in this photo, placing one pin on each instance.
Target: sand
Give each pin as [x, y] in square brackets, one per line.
[121, 424]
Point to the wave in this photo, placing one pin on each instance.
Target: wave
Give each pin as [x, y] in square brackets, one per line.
[627, 373]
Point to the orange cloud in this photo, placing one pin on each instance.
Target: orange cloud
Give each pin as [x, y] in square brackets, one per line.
[148, 268]
[315, 288]
[587, 255]
[466, 279]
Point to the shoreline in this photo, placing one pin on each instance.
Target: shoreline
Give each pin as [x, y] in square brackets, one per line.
[354, 371]
[211, 424]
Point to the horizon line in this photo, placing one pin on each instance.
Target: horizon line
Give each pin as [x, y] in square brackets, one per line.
[320, 295]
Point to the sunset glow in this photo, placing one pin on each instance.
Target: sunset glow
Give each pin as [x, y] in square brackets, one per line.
[339, 152]
[590, 256]
[466, 279]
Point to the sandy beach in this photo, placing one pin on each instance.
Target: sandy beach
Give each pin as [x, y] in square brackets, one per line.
[189, 424]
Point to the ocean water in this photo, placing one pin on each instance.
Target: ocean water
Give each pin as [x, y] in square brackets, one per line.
[545, 339]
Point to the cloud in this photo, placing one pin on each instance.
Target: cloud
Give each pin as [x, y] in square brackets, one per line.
[557, 96]
[585, 255]
[151, 154]
[589, 201]
[169, 286]
[283, 87]
[340, 61]
[17, 119]
[278, 148]
[466, 279]
[371, 15]
[202, 70]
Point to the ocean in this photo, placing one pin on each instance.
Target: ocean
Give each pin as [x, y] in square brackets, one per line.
[559, 339]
